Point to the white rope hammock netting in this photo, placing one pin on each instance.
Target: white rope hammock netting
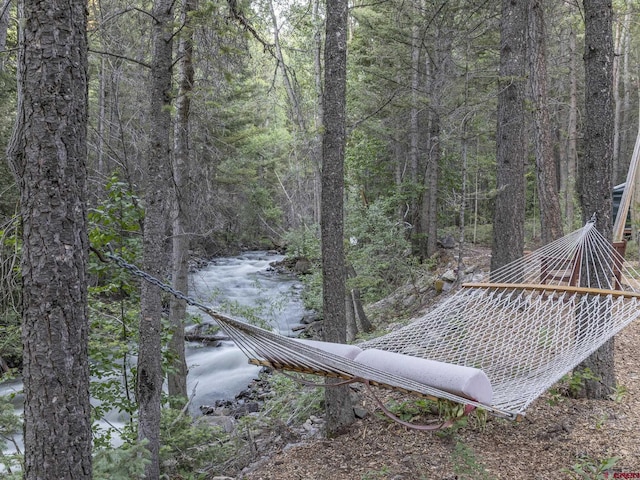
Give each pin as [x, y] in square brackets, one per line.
[531, 323]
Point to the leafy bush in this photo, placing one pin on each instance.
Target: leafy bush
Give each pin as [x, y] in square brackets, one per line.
[123, 463]
[289, 403]
[378, 250]
[191, 448]
[10, 425]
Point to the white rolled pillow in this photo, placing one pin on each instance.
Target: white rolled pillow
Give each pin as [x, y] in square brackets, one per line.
[467, 382]
[341, 349]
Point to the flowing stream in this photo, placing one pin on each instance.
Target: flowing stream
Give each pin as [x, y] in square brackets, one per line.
[242, 283]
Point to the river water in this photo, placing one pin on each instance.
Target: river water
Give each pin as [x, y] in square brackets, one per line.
[242, 282]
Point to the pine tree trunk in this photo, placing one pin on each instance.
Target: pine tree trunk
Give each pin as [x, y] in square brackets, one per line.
[595, 168]
[550, 215]
[177, 377]
[150, 377]
[508, 224]
[339, 409]
[48, 152]
[572, 134]
[4, 26]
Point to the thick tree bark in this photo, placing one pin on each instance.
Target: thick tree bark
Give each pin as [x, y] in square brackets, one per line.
[177, 377]
[339, 408]
[594, 179]
[508, 224]
[150, 377]
[550, 215]
[48, 153]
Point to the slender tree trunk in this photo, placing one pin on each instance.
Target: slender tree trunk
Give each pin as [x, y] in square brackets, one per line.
[150, 377]
[508, 225]
[617, 169]
[626, 134]
[572, 134]
[594, 181]
[317, 71]
[48, 152]
[416, 214]
[297, 116]
[4, 26]
[550, 214]
[177, 377]
[339, 408]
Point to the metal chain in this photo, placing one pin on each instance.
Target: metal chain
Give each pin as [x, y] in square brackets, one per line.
[134, 270]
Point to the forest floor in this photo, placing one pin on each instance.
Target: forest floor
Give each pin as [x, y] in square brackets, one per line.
[559, 438]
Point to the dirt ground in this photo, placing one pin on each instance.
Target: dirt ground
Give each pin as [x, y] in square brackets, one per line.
[552, 440]
[560, 438]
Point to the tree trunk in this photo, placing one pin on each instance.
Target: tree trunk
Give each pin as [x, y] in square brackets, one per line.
[416, 213]
[627, 135]
[150, 377]
[550, 215]
[572, 135]
[339, 410]
[177, 377]
[594, 178]
[48, 152]
[317, 141]
[296, 113]
[508, 224]
[4, 26]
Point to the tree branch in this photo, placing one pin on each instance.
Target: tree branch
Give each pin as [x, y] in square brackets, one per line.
[123, 57]
[237, 15]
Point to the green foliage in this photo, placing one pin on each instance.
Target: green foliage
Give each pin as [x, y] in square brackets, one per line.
[374, 474]
[190, 448]
[115, 224]
[618, 393]
[378, 249]
[112, 348]
[303, 242]
[10, 252]
[126, 462]
[466, 466]
[289, 403]
[587, 468]
[576, 380]
[10, 424]
[409, 410]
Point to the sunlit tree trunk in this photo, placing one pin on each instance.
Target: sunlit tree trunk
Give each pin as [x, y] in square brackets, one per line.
[48, 153]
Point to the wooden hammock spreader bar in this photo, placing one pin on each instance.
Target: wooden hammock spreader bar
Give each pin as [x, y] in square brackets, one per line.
[551, 288]
[292, 368]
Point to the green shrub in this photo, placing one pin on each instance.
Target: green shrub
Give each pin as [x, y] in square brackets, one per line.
[192, 449]
[123, 463]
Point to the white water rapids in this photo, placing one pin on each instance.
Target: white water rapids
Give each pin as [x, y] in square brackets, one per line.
[220, 373]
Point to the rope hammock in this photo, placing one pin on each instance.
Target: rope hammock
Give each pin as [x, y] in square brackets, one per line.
[496, 345]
